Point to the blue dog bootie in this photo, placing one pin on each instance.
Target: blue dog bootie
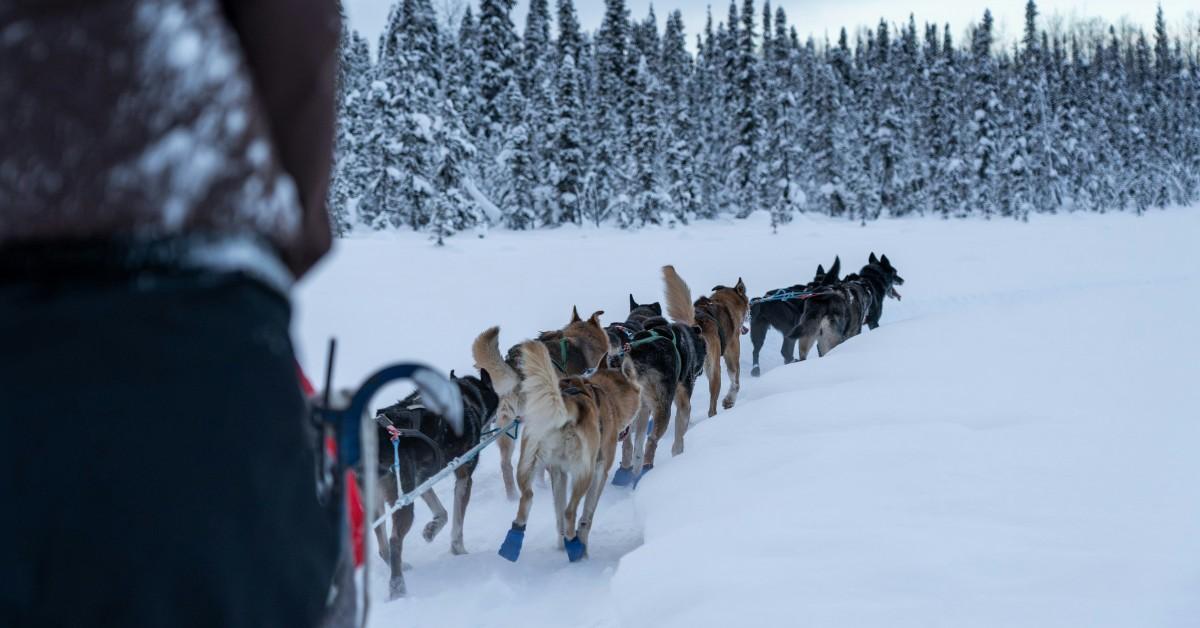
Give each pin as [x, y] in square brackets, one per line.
[622, 476]
[575, 549]
[511, 547]
[645, 469]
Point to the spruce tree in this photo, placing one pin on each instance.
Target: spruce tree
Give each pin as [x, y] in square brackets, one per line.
[567, 156]
[497, 54]
[613, 107]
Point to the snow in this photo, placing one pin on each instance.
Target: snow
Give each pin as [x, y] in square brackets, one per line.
[1014, 446]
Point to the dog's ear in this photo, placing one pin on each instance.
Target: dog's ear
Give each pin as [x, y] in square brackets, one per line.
[485, 378]
[820, 271]
[595, 318]
[873, 259]
[633, 305]
[836, 269]
[657, 307]
[575, 315]
[885, 262]
[452, 376]
[603, 363]
[740, 286]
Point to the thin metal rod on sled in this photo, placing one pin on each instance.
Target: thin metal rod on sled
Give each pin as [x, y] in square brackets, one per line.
[411, 496]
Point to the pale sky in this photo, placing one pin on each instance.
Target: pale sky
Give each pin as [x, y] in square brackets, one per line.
[821, 17]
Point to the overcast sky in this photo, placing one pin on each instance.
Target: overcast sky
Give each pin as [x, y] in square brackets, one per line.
[820, 17]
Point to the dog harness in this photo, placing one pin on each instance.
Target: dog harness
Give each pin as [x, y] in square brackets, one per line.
[562, 349]
[655, 337]
[788, 295]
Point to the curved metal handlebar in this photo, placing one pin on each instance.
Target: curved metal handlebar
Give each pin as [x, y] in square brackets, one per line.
[439, 394]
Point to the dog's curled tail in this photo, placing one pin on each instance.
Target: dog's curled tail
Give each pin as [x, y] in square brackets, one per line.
[486, 351]
[545, 409]
[679, 297]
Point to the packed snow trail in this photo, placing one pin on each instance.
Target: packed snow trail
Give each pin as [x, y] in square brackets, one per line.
[1015, 445]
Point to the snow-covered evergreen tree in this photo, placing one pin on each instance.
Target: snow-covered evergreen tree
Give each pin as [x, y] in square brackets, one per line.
[648, 198]
[497, 54]
[679, 106]
[567, 155]
[630, 126]
[784, 194]
[612, 109]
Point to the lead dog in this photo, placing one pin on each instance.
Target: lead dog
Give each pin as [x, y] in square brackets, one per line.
[839, 312]
[574, 349]
[418, 462]
[719, 318]
[571, 428]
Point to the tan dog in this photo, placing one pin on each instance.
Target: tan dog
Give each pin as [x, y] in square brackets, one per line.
[573, 349]
[720, 318]
[571, 428]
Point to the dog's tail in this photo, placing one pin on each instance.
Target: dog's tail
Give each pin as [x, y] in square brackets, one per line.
[545, 410]
[816, 310]
[486, 351]
[679, 298]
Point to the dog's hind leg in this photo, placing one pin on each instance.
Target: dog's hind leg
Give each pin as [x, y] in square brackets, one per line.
[580, 484]
[633, 447]
[712, 368]
[593, 497]
[462, 496]
[733, 362]
[637, 434]
[525, 468]
[506, 466]
[662, 416]
[827, 340]
[805, 332]
[683, 417]
[758, 335]
[788, 350]
[439, 516]
[558, 485]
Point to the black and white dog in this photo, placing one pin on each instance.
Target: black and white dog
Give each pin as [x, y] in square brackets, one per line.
[839, 312]
[418, 461]
[784, 315]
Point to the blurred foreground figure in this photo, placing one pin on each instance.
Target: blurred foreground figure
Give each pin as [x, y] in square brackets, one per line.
[163, 170]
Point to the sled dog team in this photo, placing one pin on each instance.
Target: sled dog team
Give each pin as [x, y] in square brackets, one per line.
[581, 390]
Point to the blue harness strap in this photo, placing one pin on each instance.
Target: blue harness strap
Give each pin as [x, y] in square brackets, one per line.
[790, 295]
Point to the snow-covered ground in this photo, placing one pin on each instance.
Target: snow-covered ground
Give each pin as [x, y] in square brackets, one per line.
[1017, 445]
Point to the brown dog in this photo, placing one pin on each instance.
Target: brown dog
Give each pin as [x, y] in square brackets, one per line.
[571, 428]
[720, 317]
[573, 349]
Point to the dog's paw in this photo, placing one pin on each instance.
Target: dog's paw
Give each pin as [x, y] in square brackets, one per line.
[622, 477]
[645, 469]
[432, 528]
[396, 588]
[458, 549]
[576, 550]
[511, 548]
[676, 449]
[755, 372]
[727, 403]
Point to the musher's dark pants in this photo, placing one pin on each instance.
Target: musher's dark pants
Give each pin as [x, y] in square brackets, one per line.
[153, 467]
